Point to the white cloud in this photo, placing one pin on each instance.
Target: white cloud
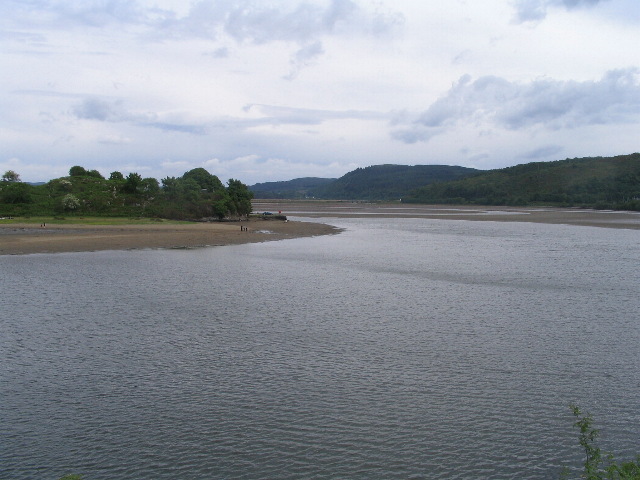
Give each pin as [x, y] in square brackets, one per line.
[536, 10]
[552, 104]
[274, 90]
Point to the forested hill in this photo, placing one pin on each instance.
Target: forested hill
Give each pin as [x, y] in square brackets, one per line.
[388, 182]
[292, 189]
[609, 182]
[378, 182]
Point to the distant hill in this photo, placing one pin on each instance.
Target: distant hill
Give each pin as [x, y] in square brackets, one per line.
[378, 182]
[388, 182]
[291, 189]
[600, 182]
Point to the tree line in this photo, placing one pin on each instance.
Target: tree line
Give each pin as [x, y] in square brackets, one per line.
[197, 194]
[597, 182]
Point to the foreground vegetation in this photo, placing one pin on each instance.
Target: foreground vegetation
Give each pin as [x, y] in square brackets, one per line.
[611, 183]
[599, 466]
[195, 195]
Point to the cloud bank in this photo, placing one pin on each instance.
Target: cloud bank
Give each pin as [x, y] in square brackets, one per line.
[265, 91]
[551, 104]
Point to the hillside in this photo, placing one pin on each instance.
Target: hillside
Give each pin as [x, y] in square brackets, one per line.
[388, 182]
[378, 182]
[291, 189]
[611, 182]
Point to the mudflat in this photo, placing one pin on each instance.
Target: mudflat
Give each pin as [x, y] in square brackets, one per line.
[345, 209]
[25, 238]
[17, 239]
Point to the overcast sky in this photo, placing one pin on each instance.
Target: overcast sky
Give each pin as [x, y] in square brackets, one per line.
[274, 90]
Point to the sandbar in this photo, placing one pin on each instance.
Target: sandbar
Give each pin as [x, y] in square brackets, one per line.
[19, 239]
[551, 215]
[25, 238]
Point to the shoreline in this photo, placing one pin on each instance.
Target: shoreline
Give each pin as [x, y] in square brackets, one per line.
[25, 238]
[29, 238]
[551, 215]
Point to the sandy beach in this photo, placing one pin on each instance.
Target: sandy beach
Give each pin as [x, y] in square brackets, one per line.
[19, 239]
[25, 238]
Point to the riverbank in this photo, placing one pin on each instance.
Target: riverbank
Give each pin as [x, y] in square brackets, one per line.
[28, 238]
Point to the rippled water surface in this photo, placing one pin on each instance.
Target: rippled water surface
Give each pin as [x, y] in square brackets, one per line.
[401, 348]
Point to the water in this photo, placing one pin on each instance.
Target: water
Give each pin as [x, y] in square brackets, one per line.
[401, 348]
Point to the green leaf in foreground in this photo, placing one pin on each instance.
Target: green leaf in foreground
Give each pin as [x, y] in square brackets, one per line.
[599, 466]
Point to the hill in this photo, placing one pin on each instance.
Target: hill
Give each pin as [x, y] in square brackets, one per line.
[378, 182]
[600, 182]
[388, 182]
[291, 189]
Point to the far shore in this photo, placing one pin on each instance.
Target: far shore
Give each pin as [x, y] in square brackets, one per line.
[29, 238]
[552, 215]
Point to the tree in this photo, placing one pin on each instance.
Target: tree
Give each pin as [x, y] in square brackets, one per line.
[239, 197]
[77, 171]
[116, 176]
[170, 187]
[150, 186]
[132, 183]
[204, 179]
[94, 174]
[10, 176]
[16, 192]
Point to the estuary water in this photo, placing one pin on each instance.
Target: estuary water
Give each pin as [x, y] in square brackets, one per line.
[400, 348]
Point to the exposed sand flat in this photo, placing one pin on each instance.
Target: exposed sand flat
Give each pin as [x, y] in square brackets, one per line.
[566, 216]
[17, 239]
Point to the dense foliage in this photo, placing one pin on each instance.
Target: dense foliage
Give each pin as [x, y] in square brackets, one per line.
[388, 182]
[612, 182]
[377, 182]
[291, 189]
[196, 195]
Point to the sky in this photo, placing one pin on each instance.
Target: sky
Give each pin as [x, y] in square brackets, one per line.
[274, 90]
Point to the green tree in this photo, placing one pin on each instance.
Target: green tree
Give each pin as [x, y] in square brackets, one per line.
[77, 171]
[16, 192]
[150, 186]
[94, 174]
[204, 179]
[220, 205]
[10, 176]
[170, 187]
[116, 176]
[132, 183]
[239, 197]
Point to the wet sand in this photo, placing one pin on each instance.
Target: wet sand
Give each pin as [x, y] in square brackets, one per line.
[19, 239]
[16, 239]
[564, 216]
